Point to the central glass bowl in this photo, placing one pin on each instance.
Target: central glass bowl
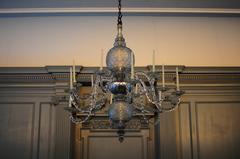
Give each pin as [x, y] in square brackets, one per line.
[119, 113]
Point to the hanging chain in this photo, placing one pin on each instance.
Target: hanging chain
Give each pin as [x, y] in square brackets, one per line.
[119, 13]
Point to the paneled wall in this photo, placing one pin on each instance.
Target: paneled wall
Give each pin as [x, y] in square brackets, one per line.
[203, 127]
[33, 128]
[35, 125]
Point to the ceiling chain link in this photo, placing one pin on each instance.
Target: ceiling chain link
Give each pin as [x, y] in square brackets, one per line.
[119, 12]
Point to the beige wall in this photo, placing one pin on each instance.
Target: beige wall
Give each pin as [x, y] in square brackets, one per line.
[190, 41]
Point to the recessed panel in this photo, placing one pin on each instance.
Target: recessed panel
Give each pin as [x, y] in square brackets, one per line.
[16, 133]
[111, 148]
[218, 130]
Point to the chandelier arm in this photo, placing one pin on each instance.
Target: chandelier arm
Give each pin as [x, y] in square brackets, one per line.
[154, 101]
[73, 103]
[94, 93]
[100, 103]
[94, 103]
[102, 86]
[107, 79]
[74, 99]
[76, 106]
[171, 108]
[105, 88]
[145, 89]
[87, 117]
[97, 106]
[163, 110]
[140, 107]
[142, 110]
[79, 121]
[151, 83]
[77, 97]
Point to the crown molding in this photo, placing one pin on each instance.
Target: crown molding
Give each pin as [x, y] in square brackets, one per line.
[128, 11]
[89, 70]
[53, 74]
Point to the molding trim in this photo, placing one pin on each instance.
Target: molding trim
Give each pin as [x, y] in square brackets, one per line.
[128, 11]
[16, 77]
[59, 70]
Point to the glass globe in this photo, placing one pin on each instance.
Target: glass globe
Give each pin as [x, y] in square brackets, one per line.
[120, 112]
[119, 57]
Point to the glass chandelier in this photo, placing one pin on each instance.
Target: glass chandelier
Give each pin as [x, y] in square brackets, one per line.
[126, 93]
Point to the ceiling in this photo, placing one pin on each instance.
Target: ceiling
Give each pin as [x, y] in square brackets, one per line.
[229, 4]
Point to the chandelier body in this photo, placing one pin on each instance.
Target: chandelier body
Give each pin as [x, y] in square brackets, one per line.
[126, 93]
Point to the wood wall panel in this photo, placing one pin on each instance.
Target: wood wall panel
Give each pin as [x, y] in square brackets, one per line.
[203, 127]
[62, 135]
[218, 130]
[169, 135]
[35, 125]
[109, 147]
[185, 131]
[30, 129]
[16, 130]
[104, 144]
[175, 133]
[45, 131]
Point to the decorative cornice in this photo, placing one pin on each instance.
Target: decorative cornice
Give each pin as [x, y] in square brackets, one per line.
[81, 69]
[104, 124]
[127, 11]
[52, 74]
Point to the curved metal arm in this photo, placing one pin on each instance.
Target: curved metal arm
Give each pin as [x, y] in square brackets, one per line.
[152, 96]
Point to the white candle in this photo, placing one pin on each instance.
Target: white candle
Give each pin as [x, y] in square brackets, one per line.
[70, 102]
[92, 80]
[153, 61]
[71, 75]
[74, 72]
[101, 62]
[160, 95]
[132, 67]
[136, 88]
[177, 79]
[111, 98]
[163, 75]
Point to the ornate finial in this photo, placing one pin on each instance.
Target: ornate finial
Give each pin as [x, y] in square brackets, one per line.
[121, 133]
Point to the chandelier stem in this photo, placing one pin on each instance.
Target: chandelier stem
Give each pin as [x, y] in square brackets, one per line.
[120, 35]
[119, 20]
